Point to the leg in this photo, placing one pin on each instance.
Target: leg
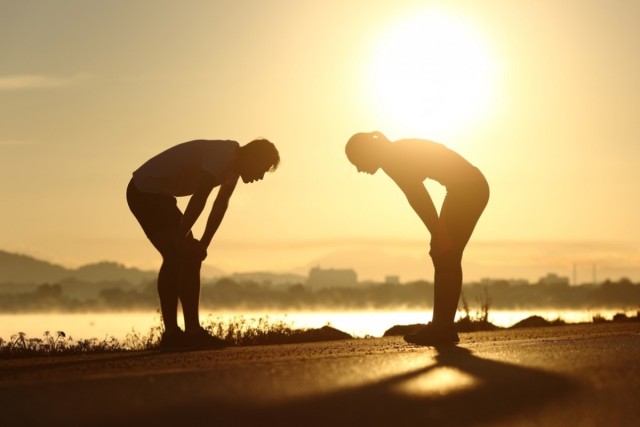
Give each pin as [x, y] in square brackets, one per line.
[160, 218]
[460, 212]
[179, 280]
[447, 286]
[190, 293]
[169, 276]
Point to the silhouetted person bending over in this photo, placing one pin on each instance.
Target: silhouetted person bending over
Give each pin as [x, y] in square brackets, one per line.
[409, 162]
[190, 169]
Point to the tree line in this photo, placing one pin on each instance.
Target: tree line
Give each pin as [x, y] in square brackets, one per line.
[227, 293]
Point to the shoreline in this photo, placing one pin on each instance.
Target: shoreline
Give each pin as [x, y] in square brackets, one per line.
[355, 322]
[20, 345]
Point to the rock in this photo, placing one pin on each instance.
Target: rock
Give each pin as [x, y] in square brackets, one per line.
[531, 322]
[325, 333]
[403, 330]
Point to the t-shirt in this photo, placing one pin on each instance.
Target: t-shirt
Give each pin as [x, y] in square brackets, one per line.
[176, 171]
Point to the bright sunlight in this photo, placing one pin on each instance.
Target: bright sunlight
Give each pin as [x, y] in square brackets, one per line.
[432, 74]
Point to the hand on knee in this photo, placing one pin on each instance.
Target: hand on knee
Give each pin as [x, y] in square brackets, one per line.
[192, 249]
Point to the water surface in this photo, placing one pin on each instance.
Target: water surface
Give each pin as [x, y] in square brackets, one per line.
[357, 323]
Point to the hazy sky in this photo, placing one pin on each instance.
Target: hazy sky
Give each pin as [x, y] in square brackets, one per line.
[542, 96]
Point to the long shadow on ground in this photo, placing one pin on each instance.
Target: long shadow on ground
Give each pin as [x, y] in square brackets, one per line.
[494, 391]
[500, 391]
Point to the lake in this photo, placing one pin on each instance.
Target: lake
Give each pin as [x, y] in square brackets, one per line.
[357, 323]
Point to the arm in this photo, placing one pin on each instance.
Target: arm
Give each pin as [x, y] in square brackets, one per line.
[196, 204]
[421, 202]
[218, 210]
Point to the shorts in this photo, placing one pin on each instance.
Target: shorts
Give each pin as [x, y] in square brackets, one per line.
[154, 212]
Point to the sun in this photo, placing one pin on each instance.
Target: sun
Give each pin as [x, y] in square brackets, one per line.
[431, 74]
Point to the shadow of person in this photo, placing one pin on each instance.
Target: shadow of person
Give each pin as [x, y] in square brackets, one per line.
[458, 389]
[452, 388]
[501, 389]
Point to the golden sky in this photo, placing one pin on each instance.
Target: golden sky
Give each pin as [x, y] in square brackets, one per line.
[542, 96]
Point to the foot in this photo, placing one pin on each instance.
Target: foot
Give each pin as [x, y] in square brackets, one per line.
[173, 339]
[432, 335]
[200, 339]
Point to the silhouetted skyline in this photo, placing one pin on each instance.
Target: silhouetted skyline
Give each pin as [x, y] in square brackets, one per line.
[370, 266]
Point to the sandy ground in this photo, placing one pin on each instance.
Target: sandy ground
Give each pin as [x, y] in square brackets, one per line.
[578, 375]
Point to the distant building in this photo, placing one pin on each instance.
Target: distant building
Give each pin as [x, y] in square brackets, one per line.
[332, 278]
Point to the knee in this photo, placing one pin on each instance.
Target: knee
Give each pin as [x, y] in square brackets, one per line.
[172, 260]
[169, 269]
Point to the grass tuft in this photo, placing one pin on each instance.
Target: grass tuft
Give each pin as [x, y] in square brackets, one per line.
[239, 331]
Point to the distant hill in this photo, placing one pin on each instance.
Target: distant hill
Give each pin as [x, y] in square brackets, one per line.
[18, 269]
[111, 271]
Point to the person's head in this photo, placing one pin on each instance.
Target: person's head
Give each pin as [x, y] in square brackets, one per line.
[256, 158]
[364, 150]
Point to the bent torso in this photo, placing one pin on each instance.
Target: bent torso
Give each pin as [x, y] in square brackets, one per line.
[416, 159]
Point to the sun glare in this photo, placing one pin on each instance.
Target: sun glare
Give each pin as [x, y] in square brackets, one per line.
[431, 74]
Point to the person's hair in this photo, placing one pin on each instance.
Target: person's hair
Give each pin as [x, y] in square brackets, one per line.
[356, 145]
[263, 148]
[361, 143]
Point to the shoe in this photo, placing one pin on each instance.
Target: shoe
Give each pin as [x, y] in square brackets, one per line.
[200, 339]
[173, 339]
[431, 335]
